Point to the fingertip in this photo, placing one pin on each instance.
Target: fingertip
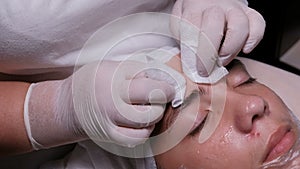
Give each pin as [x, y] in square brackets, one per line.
[130, 137]
[164, 93]
[146, 90]
[225, 60]
[249, 46]
[158, 96]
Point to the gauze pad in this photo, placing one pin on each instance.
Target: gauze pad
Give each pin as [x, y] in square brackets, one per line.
[193, 42]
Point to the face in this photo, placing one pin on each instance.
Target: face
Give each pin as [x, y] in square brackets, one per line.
[255, 127]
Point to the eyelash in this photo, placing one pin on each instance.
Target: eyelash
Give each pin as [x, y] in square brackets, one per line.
[249, 81]
[199, 127]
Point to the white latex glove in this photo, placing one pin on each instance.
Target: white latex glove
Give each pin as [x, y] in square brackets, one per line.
[112, 102]
[230, 25]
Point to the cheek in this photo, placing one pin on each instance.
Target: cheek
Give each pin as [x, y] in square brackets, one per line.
[275, 103]
[199, 155]
[228, 149]
[225, 149]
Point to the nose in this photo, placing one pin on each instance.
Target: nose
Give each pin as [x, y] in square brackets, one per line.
[249, 110]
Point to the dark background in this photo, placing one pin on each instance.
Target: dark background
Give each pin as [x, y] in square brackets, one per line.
[282, 31]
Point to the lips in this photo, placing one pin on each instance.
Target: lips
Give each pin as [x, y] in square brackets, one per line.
[280, 142]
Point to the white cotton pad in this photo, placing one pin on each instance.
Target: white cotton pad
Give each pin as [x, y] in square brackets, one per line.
[192, 42]
[164, 55]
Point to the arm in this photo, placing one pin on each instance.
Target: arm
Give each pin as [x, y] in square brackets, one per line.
[51, 118]
[13, 136]
[47, 124]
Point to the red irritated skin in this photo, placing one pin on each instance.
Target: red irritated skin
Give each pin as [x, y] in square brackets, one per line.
[255, 128]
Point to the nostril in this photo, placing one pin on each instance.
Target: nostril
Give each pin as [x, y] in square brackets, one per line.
[252, 110]
[255, 117]
[266, 109]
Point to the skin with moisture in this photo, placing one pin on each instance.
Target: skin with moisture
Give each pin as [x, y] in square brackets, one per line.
[256, 127]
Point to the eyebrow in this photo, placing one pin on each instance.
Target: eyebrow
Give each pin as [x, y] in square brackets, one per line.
[188, 100]
[234, 63]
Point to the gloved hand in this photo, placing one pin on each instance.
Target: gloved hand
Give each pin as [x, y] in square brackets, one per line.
[230, 25]
[111, 102]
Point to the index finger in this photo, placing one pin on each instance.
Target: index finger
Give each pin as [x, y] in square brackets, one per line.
[146, 90]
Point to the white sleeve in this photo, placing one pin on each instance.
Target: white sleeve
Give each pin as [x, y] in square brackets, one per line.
[43, 34]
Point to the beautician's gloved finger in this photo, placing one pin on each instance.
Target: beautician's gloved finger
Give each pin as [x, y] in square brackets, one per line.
[212, 27]
[146, 90]
[187, 15]
[235, 36]
[213, 24]
[139, 116]
[130, 136]
[257, 26]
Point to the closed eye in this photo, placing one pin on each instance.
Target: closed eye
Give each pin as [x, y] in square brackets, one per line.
[249, 81]
[198, 128]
